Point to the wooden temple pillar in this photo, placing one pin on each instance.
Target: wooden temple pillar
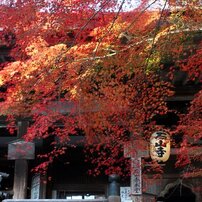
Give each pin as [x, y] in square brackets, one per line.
[20, 151]
[21, 168]
[20, 179]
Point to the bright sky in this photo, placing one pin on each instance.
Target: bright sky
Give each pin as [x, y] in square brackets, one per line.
[128, 4]
[132, 4]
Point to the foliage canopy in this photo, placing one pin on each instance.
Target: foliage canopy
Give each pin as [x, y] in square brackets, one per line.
[90, 65]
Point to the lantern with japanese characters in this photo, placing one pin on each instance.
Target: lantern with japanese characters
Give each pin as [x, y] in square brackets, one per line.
[160, 146]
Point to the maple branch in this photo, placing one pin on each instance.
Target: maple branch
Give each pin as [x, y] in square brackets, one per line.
[155, 34]
[135, 20]
[85, 25]
[96, 57]
[108, 31]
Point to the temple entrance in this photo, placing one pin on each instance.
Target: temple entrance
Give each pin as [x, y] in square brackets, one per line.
[178, 193]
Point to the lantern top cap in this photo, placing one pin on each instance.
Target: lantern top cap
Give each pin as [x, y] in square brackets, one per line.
[160, 134]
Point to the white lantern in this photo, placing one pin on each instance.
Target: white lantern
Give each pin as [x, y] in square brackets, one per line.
[160, 146]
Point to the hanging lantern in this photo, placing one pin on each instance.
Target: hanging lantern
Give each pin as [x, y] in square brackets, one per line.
[160, 146]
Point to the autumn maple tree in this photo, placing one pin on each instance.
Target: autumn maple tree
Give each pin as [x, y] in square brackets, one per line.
[95, 66]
